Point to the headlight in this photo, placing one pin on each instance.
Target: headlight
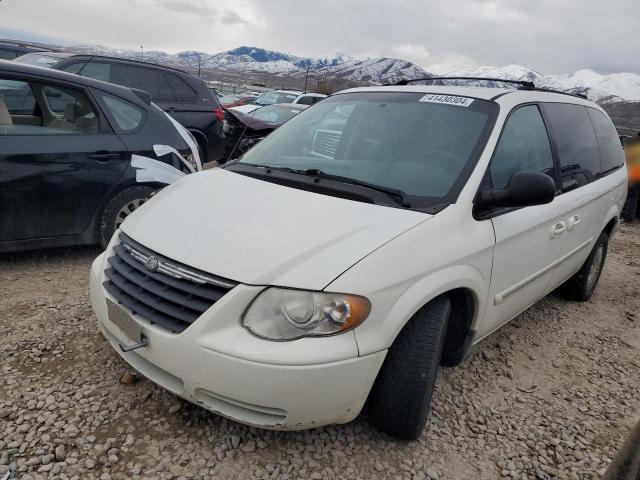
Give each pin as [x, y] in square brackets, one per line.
[282, 314]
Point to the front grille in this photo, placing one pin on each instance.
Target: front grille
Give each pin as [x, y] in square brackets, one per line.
[168, 294]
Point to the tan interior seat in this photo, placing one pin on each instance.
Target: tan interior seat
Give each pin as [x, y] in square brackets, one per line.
[5, 117]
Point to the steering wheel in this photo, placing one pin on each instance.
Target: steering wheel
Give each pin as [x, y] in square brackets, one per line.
[451, 163]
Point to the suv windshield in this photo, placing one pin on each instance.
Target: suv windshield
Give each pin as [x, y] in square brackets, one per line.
[410, 142]
[276, 97]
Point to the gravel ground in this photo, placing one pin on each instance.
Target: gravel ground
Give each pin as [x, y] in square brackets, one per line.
[552, 395]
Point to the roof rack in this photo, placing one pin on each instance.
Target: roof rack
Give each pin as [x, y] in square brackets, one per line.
[523, 84]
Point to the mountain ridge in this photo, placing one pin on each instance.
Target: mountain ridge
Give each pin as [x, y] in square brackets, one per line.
[614, 87]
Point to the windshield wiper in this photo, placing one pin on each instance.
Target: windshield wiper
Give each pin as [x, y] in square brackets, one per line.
[398, 195]
[391, 192]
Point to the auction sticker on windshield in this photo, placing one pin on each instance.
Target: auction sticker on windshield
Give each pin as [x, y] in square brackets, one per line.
[447, 99]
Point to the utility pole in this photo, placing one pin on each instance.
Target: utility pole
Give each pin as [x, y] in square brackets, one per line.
[199, 59]
[141, 53]
[306, 76]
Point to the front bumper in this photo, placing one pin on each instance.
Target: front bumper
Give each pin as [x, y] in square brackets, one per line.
[219, 365]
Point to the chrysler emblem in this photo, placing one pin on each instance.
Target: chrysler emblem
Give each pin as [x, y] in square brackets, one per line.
[152, 264]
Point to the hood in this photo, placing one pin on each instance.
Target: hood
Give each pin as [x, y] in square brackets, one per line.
[260, 233]
[245, 108]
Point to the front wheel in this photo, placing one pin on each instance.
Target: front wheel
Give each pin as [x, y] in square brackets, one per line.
[581, 286]
[119, 208]
[399, 400]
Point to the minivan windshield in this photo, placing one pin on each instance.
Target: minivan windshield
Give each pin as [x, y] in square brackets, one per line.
[423, 145]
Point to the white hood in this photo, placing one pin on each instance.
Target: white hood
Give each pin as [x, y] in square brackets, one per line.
[246, 108]
[260, 233]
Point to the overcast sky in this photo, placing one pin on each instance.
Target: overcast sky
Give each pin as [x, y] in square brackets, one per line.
[551, 36]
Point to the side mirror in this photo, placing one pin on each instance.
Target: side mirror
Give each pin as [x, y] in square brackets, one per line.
[524, 189]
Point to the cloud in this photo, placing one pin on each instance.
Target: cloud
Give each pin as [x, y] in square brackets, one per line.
[546, 35]
[230, 17]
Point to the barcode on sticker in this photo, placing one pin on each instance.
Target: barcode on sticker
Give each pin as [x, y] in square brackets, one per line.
[447, 99]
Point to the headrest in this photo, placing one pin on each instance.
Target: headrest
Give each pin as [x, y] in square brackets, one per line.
[5, 117]
[72, 111]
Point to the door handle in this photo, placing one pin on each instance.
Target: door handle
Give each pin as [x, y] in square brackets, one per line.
[558, 229]
[573, 221]
[103, 156]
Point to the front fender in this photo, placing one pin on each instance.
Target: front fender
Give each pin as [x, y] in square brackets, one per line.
[447, 252]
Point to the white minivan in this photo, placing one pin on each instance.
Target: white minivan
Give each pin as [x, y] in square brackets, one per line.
[374, 237]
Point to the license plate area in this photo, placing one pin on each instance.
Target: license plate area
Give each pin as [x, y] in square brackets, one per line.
[131, 329]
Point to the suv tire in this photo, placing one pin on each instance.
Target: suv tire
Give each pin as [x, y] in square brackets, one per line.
[581, 286]
[119, 207]
[399, 400]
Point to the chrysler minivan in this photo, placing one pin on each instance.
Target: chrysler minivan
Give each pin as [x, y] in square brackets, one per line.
[371, 239]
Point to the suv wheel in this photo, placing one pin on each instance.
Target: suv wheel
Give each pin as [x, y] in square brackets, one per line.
[399, 400]
[119, 208]
[581, 286]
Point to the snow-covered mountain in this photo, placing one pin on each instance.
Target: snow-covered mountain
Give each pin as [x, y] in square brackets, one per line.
[260, 60]
[597, 87]
[253, 60]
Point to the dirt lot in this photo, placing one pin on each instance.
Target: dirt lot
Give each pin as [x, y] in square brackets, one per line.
[552, 395]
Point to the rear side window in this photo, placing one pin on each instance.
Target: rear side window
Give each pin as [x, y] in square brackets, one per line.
[182, 91]
[126, 115]
[611, 153]
[305, 101]
[523, 147]
[576, 141]
[152, 81]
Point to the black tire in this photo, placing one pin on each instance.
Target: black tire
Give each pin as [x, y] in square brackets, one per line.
[118, 208]
[581, 286]
[399, 400]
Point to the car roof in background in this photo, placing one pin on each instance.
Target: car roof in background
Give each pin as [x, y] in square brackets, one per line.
[48, 53]
[125, 60]
[481, 93]
[7, 66]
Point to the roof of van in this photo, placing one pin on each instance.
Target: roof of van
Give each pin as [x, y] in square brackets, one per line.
[483, 93]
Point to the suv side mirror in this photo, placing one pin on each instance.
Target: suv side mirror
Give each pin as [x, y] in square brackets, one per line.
[524, 189]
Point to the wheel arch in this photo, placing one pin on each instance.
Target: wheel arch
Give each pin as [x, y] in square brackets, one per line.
[201, 138]
[467, 290]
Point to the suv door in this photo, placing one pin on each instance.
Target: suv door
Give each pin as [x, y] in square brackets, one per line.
[525, 249]
[584, 194]
[58, 161]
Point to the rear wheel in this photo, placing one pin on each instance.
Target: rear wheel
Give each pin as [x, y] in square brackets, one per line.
[119, 208]
[399, 400]
[581, 286]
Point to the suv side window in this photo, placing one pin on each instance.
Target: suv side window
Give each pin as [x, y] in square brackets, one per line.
[152, 81]
[182, 91]
[611, 152]
[97, 70]
[523, 146]
[576, 142]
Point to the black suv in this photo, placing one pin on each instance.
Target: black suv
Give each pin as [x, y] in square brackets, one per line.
[77, 156]
[183, 96]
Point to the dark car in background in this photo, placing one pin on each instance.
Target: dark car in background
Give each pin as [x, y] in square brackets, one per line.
[182, 95]
[77, 155]
[10, 49]
[229, 101]
[244, 130]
